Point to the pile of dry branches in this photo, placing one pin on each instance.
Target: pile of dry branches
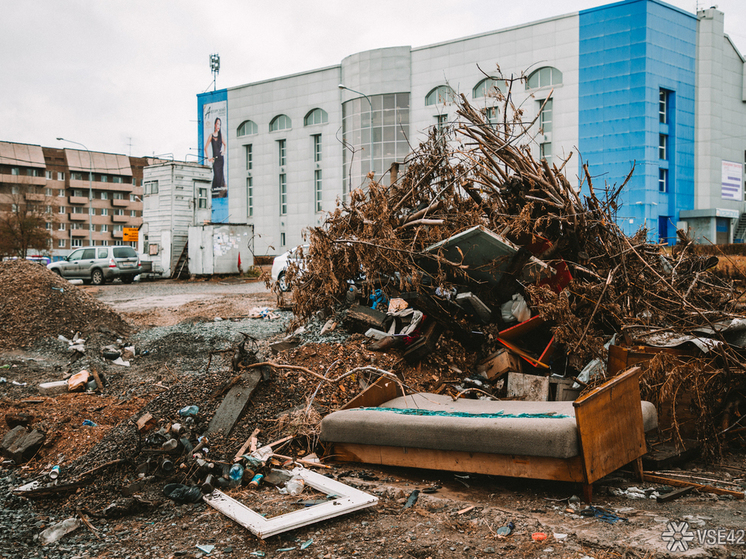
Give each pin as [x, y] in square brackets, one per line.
[478, 172]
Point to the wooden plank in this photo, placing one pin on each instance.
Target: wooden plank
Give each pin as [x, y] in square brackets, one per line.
[527, 356]
[673, 495]
[680, 483]
[370, 318]
[234, 403]
[382, 390]
[610, 425]
[531, 467]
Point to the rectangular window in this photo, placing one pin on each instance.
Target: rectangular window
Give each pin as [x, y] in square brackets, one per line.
[441, 121]
[15, 189]
[49, 209]
[76, 176]
[119, 211]
[104, 178]
[63, 209]
[282, 152]
[104, 211]
[662, 180]
[316, 147]
[663, 107]
[49, 225]
[91, 211]
[118, 228]
[283, 194]
[76, 243]
[60, 193]
[317, 188]
[61, 243]
[48, 175]
[48, 192]
[248, 152]
[545, 119]
[282, 239]
[15, 171]
[133, 198]
[202, 198]
[117, 180]
[150, 187]
[491, 114]
[662, 146]
[104, 228]
[133, 213]
[545, 151]
[61, 227]
[14, 208]
[104, 195]
[60, 176]
[250, 196]
[77, 210]
[118, 196]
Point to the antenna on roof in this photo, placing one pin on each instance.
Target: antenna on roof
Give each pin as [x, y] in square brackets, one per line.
[214, 68]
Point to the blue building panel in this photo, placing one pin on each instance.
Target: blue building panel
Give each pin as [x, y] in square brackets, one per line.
[646, 45]
[218, 100]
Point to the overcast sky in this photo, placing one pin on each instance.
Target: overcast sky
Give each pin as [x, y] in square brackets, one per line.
[122, 75]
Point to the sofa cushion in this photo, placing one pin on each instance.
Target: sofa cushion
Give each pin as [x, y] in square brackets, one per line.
[435, 421]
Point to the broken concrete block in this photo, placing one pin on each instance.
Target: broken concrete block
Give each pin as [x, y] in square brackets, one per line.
[366, 317]
[146, 422]
[531, 388]
[499, 363]
[19, 444]
[53, 388]
[78, 381]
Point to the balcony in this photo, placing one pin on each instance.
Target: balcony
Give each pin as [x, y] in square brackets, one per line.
[120, 218]
[79, 233]
[78, 217]
[120, 203]
[30, 197]
[117, 234]
[77, 200]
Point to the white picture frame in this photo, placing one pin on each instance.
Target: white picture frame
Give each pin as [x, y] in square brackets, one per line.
[346, 499]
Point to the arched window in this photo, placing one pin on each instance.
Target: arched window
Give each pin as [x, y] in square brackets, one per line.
[280, 122]
[485, 87]
[316, 116]
[440, 95]
[544, 77]
[247, 128]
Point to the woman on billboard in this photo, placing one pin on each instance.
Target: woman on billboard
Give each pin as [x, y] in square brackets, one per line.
[218, 145]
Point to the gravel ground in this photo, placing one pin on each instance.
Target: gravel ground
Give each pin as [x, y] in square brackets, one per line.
[181, 346]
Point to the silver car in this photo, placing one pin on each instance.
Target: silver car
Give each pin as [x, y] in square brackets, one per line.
[98, 265]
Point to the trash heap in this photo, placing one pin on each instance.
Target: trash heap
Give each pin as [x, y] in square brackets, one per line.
[481, 243]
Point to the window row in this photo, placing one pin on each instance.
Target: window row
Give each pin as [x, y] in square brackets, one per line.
[316, 147]
[543, 77]
[79, 193]
[283, 122]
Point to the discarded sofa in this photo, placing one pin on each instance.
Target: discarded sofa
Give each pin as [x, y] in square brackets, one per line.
[580, 441]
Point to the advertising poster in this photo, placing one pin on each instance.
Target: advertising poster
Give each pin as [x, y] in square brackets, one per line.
[216, 146]
[731, 186]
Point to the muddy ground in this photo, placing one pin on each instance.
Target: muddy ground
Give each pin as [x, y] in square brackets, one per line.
[185, 335]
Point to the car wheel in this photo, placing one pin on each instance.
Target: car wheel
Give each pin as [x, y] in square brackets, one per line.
[56, 271]
[128, 279]
[282, 284]
[97, 277]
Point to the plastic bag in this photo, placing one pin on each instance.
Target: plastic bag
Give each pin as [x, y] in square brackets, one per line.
[293, 486]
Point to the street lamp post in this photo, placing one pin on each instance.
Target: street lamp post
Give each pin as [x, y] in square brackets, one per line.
[343, 86]
[90, 189]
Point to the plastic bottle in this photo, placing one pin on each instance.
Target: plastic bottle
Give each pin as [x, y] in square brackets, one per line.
[189, 411]
[209, 484]
[54, 533]
[55, 472]
[235, 474]
[294, 486]
[170, 445]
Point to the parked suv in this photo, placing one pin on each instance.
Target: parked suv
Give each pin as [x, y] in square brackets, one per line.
[98, 265]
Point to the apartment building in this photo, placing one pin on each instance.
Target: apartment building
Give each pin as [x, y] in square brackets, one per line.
[88, 197]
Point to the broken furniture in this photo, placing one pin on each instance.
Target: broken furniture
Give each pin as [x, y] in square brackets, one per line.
[580, 441]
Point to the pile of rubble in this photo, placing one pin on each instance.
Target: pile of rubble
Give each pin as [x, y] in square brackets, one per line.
[38, 304]
[481, 244]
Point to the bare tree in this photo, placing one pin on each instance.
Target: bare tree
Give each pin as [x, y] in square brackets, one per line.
[23, 227]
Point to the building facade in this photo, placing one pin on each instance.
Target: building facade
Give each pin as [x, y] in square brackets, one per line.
[634, 84]
[88, 197]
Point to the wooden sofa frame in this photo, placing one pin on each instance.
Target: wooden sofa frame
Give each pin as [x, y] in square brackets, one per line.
[610, 430]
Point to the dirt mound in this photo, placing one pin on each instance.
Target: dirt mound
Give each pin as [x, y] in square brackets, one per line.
[37, 303]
